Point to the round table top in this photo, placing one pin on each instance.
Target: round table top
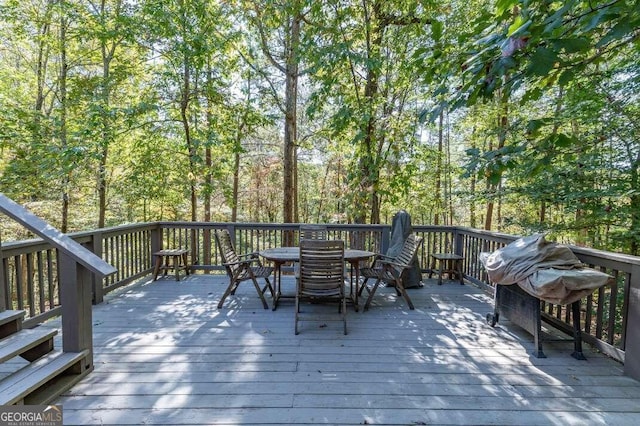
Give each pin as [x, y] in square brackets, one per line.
[292, 254]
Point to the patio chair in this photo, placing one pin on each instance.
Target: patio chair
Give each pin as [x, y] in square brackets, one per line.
[321, 278]
[389, 270]
[241, 268]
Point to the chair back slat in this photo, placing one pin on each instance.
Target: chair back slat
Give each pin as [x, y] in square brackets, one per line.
[227, 251]
[313, 232]
[409, 250]
[321, 266]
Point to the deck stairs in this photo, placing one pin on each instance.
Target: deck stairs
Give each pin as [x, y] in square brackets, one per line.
[33, 372]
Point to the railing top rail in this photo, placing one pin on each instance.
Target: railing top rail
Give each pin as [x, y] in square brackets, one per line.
[584, 253]
[55, 237]
[255, 225]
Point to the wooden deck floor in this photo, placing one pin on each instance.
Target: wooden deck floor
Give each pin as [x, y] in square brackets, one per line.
[165, 355]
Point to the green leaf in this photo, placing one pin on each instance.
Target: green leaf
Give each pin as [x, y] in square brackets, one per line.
[620, 30]
[542, 61]
[503, 6]
[571, 45]
[517, 23]
[561, 140]
[534, 125]
[566, 77]
[436, 30]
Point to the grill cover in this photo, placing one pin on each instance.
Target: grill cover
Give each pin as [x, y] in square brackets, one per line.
[544, 269]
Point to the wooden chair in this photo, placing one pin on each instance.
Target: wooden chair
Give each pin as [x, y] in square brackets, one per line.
[321, 277]
[313, 232]
[241, 268]
[389, 270]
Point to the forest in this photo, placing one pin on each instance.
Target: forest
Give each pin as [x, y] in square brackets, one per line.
[517, 116]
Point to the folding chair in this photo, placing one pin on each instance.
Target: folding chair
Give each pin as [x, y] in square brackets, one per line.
[321, 278]
[239, 268]
[389, 270]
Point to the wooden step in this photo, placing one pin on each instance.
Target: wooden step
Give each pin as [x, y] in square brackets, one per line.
[30, 344]
[45, 379]
[10, 322]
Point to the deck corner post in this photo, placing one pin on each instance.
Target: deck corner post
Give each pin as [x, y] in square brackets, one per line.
[632, 332]
[75, 298]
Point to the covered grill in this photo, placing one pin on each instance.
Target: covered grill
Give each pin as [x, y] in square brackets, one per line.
[541, 271]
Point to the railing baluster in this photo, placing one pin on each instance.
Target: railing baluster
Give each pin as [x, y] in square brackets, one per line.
[40, 269]
[613, 299]
[30, 285]
[52, 287]
[19, 282]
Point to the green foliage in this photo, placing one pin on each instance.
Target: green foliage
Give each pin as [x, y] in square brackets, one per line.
[437, 108]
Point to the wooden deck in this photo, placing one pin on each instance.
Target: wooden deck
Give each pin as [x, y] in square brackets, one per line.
[165, 355]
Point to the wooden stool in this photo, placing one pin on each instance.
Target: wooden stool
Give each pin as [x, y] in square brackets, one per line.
[175, 259]
[449, 264]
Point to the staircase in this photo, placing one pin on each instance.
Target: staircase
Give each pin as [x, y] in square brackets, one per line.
[49, 372]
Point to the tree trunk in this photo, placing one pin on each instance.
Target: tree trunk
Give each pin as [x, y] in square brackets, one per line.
[438, 189]
[503, 123]
[108, 53]
[236, 184]
[184, 115]
[290, 126]
[66, 178]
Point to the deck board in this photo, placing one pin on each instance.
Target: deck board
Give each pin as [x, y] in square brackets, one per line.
[164, 354]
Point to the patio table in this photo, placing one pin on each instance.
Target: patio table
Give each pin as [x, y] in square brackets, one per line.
[282, 255]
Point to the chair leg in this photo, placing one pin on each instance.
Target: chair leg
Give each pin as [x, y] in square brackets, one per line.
[402, 290]
[230, 290]
[260, 293]
[373, 291]
[363, 286]
[269, 287]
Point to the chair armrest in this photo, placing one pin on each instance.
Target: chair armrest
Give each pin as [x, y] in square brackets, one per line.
[392, 262]
[239, 262]
[379, 257]
[252, 255]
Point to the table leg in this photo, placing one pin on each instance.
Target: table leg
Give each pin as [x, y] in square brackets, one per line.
[176, 266]
[355, 267]
[156, 269]
[277, 277]
[184, 262]
[356, 302]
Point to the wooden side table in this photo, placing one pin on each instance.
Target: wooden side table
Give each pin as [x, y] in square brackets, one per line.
[448, 263]
[171, 259]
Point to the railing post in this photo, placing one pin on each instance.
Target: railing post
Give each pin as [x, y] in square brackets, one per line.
[206, 249]
[385, 239]
[95, 245]
[156, 242]
[632, 332]
[75, 298]
[457, 242]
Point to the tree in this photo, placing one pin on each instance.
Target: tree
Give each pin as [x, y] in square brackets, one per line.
[364, 78]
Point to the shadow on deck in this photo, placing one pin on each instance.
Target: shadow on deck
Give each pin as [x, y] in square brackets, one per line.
[164, 354]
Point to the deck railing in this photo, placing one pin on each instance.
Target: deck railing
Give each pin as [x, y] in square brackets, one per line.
[30, 279]
[50, 277]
